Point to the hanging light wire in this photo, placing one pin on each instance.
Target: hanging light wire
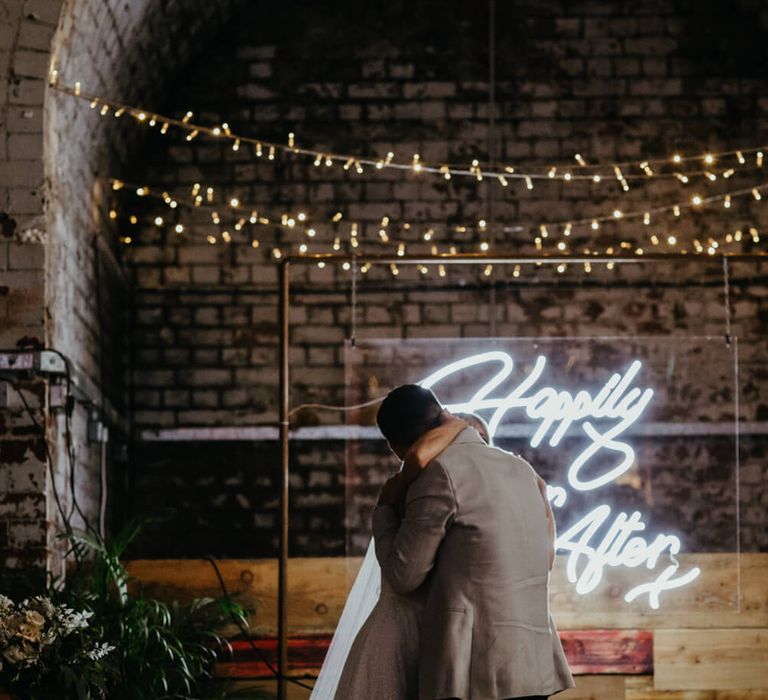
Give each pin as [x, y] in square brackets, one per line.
[596, 173]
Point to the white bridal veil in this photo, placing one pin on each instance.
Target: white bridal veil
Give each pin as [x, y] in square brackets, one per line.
[361, 601]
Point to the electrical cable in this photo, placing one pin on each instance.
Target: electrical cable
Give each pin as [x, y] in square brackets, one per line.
[69, 443]
[76, 548]
[328, 407]
[244, 630]
[103, 483]
[70, 448]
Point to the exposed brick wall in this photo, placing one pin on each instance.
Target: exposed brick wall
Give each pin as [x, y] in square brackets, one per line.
[26, 28]
[61, 278]
[611, 83]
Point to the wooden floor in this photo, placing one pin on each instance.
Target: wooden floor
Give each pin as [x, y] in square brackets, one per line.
[710, 643]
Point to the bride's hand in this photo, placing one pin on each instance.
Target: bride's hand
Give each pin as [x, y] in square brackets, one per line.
[431, 444]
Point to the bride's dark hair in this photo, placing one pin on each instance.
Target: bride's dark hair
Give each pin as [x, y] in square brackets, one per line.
[407, 413]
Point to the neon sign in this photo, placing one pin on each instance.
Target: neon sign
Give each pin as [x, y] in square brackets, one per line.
[557, 413]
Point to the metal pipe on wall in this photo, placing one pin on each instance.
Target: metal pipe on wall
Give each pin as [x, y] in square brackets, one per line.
[282, 596]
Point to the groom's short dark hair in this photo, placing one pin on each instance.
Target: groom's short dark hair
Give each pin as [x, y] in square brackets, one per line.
[407, 413]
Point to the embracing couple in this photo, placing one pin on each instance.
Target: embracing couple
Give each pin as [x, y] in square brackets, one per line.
[464, 537]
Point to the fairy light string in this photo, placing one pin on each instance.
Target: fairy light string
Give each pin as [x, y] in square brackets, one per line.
[582, 170]
[621, 172]
[202, 197]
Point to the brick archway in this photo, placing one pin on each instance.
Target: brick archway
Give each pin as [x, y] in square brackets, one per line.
[61, 281]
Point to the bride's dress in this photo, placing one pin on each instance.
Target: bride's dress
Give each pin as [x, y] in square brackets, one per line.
[373, 656]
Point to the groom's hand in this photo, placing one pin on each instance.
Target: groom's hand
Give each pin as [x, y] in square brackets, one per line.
[393, 492]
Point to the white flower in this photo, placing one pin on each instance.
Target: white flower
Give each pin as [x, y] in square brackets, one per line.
[71, 621]
[99, 651]
[42, 605]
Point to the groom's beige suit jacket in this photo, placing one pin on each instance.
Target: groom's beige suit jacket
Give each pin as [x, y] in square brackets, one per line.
[475, 532]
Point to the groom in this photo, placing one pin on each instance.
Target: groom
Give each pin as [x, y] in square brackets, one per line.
[475, 530]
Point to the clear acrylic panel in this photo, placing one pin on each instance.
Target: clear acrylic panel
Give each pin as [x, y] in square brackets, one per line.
[636, 438]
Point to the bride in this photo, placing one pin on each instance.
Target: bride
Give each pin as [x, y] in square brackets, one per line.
[375, 650]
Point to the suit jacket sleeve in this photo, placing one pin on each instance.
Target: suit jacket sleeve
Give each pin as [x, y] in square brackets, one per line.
[406, 549]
